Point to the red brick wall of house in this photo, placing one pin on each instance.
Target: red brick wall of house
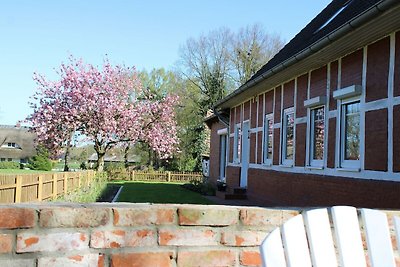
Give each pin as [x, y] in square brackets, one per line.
[253, 121]
[376, 140]
[269, 102]
[231, 141]
[352, 69]
[318, 82]
[288, 94]
[302, 85]
[232, 121]
[277, 111]
[293, 189]
[276, 146]
[397, 66]
[378, 70]
[300, 147]
[333, 84]
[260, 110]
[331, 143]
[396, 139]
[246, 111]
[234, 177]
[253, 147]
[215, 151]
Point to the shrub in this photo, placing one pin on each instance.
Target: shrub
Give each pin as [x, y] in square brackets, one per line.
[89, 193]
[9, 165]
[204, 188]
[40, 161]
[116, 171]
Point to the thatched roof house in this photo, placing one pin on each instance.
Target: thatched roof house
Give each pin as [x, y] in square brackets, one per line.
[16, 143]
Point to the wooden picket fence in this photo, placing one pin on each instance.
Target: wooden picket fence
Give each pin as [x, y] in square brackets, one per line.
[17, 188]
[159, 176]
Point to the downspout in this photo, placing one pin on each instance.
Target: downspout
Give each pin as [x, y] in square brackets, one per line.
[343, 30]
[220, 117]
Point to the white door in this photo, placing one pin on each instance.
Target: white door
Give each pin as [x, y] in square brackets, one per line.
[245, 153]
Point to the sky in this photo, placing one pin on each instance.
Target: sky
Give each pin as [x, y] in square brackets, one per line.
[37, 36]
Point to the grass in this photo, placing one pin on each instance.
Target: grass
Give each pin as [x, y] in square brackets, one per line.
[172, 193]
[20, 171]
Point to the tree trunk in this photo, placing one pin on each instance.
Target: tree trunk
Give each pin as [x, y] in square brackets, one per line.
[100, 162]
[126, 156]
[66, 168]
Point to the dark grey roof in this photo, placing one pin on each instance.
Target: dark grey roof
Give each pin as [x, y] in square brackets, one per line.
[19, 135]
[331, 19]
[336, 14]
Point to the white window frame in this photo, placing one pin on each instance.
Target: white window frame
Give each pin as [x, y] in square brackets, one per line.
[236, 156]
[315, 162]
[223, 136]
[349, 164]
[285, 161]
[267, 161]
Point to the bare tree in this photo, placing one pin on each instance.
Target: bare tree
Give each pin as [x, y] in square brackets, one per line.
[251, 48]
[206, 63]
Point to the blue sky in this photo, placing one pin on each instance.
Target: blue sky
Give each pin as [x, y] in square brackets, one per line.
[39, 35]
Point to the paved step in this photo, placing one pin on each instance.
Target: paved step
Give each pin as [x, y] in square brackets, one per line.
[235, 196]
[239, 191]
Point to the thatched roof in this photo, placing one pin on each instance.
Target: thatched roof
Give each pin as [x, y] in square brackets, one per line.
[23, 139]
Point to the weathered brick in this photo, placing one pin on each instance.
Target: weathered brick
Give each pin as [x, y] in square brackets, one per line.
[76, 260]
[208, 216]
[250, 258]
[6, 243]
[31, 242]
[12, 218]
[265, 217]
[144, 216]
[187, 237]
[19, 263]
[207, 258]
[159, 259]
[242, 238]
[74, 217]
[121, 238]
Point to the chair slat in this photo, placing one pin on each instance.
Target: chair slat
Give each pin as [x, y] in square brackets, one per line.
[272, 253]
[379, 244]
[320, 238]
[397, 230]
[295, 242]
[348, 236]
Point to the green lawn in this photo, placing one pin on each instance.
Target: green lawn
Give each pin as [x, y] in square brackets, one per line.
[141, 192]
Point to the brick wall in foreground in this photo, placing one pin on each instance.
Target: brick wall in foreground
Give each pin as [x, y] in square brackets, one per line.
[55, 234]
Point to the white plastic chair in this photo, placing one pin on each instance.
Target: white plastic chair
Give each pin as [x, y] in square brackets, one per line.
[331, 237]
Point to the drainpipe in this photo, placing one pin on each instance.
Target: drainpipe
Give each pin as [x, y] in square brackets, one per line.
[220, 117]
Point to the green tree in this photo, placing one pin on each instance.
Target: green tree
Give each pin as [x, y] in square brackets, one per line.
[41, 160]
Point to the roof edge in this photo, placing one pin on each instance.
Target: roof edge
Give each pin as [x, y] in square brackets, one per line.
[341, 31]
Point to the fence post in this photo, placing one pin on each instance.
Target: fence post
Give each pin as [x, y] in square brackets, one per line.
[18, 189]
[169, 176]
[65, 183]
[79, 180]
[54, 185]
[133, 175]
[40, 188]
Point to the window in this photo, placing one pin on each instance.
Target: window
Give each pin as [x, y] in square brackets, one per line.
[350, 133]
[288, 137]
[268, 139]
[317, 135]
[237, 143]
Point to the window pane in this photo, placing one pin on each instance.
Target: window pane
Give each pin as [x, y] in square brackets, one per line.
[289, 122]
[270, 133]
[352, 131]
[239, 142]
[318, 133]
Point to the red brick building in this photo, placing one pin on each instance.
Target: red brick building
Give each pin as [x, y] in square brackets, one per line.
[319, 124]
